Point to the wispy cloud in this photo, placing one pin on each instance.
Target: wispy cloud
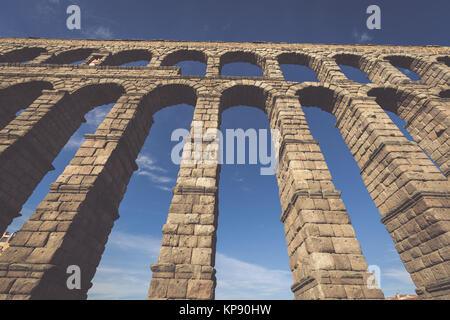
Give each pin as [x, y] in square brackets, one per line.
[146, 162]
[398, 274]
[98, 32]
[237, 279]
[361, 37]
[125, 274]
[45, 9]
[97, 115]
[148, 168]
[74, 143]
[140, 243]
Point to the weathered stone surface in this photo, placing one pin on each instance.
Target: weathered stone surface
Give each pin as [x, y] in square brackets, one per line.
[72, 223]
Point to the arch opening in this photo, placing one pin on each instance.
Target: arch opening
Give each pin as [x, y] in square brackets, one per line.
[22, 55]
[350, 66]
[52, 133]
[76, 56]
[76, 114]
[137, 57]
[191, 62]
[405, 65]
[16, 98]
[296, 67]
[244, 95]
[252, 199]
[148, 196]
[255, 198]
[241, 64]
[318, 104]
[376, 243]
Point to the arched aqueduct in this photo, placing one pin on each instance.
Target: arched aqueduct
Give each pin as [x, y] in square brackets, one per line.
[72, 224]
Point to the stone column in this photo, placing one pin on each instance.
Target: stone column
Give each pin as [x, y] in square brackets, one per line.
[324, 255]
[213, 67]
[185, 267]
[410, 192]
[272, 70]
[42, 58]
[71, 225]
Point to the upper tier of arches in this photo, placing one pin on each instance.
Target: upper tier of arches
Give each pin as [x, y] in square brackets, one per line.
[379, 66]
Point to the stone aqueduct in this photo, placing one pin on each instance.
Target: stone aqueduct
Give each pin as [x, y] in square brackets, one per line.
[72, 224]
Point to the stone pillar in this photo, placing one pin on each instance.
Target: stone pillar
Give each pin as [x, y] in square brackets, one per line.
[42, 58]
[324, 255]
[185, 267]
[410, 192]
[272, 70]
[71, 225]
[27, 150]
[213, 67]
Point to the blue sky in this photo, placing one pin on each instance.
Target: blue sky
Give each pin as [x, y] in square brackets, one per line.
[252, 260]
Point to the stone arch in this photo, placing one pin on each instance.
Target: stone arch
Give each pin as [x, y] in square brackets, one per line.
[127, 56]
[429, 72]
[19, 96]
[98, 186]
[246, 95]
[168, 94]
[22, 55]
[415, 109]
[242, 56]
[296, 58]
[45, 127]
[270, 90]
[70, 56]
[386, 159]
[357, 61]
[177, 56]
[329, 98]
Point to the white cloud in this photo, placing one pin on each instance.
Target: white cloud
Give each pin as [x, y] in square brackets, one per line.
[146, 162]
[148, 168]
[140, 243]
[237, 279]
[98, 32]
[155, 177]
[74, 142]
[96, 116]
[400, 275]
[361, 37]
